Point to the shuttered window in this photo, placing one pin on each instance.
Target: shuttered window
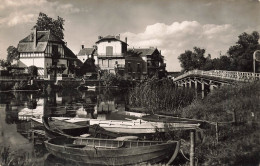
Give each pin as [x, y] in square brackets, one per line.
[109, 50]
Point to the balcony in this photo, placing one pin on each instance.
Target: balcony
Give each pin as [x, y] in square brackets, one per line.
[121, 55]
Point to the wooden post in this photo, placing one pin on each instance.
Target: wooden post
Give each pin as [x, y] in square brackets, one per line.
[192, 147]
[217, 132]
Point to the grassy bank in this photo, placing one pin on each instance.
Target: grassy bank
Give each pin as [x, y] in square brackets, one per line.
[237, 111]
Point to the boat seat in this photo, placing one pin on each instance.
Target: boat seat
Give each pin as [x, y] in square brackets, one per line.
[125, 138]
[74, 146]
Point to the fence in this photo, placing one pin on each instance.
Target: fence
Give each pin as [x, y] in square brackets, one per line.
[232, 75]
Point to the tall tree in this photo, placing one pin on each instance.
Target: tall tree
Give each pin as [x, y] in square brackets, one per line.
[242, 53]
[193, 60]
[47, 23]
[12, 53]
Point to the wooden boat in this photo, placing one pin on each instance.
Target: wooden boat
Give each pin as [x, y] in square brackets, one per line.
[54, 128]
[140, 126]
[36, 123]
[111, 151]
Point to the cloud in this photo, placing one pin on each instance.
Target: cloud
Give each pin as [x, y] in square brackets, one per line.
[14, 12]
[174, 39]
[68, 8]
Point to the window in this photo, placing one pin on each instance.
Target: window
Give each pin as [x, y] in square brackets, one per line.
[129, 67]
[138, 67]
[109, 50]
[55, 52]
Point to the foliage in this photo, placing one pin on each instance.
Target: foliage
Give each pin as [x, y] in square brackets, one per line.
[159, 96]
[4, 64]
[12, 54]
[33, 71]
[192, 60]
[54, 69]
[239, 57]
[109, 79]
[47, 23]
[236, 108]
[242, 52]
[88, 66]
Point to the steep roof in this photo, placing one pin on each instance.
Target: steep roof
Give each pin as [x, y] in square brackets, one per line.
[109, 37]
[43, 37]
[68, 53]
[86, 51]
[143, 51]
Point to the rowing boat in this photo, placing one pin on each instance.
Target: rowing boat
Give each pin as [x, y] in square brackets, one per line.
[54, 128]
[112, 151]
[140, 126]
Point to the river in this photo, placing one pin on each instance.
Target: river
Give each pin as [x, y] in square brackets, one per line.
[19, 146]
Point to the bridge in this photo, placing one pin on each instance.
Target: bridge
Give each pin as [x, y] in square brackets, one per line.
[212, 79]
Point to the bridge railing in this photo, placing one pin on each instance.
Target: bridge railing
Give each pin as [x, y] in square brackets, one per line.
[232, 75]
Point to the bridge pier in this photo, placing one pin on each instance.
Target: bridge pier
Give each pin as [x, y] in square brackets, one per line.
[196, 84]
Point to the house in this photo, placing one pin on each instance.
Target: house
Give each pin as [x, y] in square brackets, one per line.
[111, 52]
[47, 52]
[112, 55]
[144, 62]
[86, 53]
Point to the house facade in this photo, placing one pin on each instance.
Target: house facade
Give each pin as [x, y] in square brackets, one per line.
[144, 62]
[112, 55]
[111, 52]
[45, 50]
[86, 53]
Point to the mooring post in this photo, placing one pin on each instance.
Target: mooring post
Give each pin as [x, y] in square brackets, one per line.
[217, 132]
[192, 147]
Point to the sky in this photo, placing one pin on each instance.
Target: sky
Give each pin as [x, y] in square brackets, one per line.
[172, 26]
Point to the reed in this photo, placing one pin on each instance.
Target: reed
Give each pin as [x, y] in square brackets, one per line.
[160, 96]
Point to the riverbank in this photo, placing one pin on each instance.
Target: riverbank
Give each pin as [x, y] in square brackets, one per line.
[231, 115]
[236, 112]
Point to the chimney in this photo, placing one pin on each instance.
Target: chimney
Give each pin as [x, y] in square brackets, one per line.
[100, 37]
[118, 37]
[126, 40]
[82, 46]
[34, 37]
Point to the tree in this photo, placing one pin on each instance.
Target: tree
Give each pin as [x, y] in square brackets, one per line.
[47, 23]
[33, 71]
[4, 64]
[12, 53]
[242, 53]
[192, 60]
[222, 63]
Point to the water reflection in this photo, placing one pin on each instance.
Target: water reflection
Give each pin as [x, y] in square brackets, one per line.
[25, 139]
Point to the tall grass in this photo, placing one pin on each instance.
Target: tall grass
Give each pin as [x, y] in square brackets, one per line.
[239, 140]
[160, 96]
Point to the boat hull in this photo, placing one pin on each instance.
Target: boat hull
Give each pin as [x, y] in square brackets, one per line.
[139, 126]
[118, 156]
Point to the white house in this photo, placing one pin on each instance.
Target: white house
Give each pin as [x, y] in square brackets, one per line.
[111, 52]
[43, 50]
[86, 53]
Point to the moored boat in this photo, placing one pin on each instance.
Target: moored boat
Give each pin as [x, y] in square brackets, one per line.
[112, 151]
[54, 128]
[140, 126]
